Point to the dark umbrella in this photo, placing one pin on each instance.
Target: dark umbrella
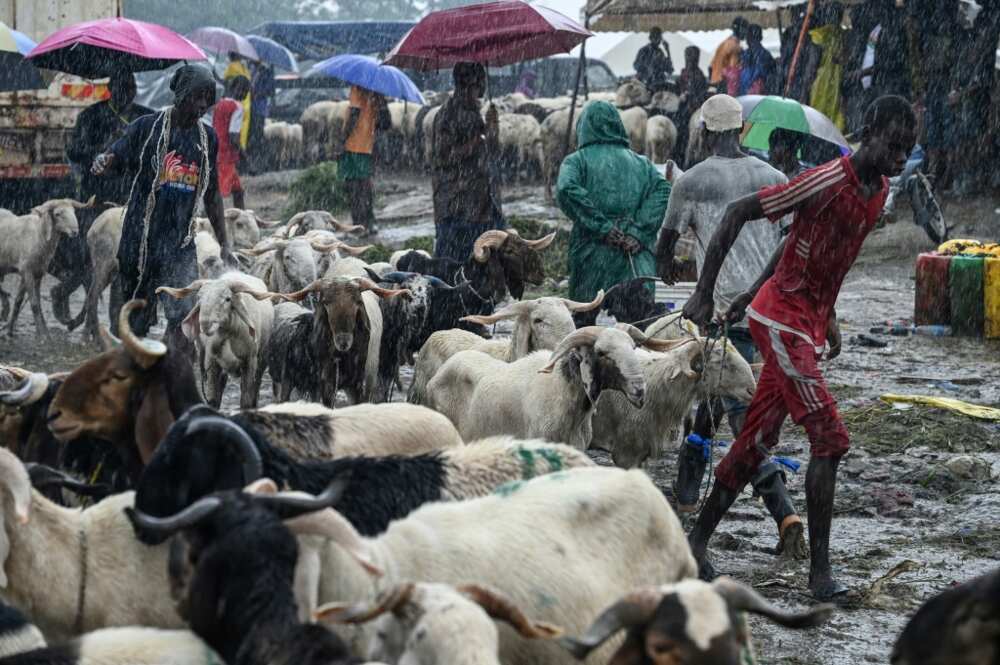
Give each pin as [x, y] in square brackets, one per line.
[494, 33]
[98, 49]
[15, 72]
[273, 53]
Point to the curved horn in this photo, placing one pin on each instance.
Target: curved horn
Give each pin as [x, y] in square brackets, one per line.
[345, 228]
[88, 204]
[166, 526]
[241, 287]
[398, 276]
[541, 243]
[267, 224]
[484, 243]
[585, 336]
[108, 341]
[509, 312]
[269, 246]
[292, 504]
[499, 606]
[390, 600]
[235, 437]
[367, 285]
[575, 306]
[743, 598]
[374, 276]
[184, 292]
[31, 390]
[43, 476]
[651, 343]
[635, 609]
[145, 352]
[297, 296]
[437, 282]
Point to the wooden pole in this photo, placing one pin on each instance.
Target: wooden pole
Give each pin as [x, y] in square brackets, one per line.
[576, 87]
[798, 45]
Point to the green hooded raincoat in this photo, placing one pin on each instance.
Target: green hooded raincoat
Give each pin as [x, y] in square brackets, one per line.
[601, 185]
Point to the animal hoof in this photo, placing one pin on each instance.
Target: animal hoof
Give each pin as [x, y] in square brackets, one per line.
[827, 589]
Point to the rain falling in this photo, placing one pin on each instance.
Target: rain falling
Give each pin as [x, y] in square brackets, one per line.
[657, 331]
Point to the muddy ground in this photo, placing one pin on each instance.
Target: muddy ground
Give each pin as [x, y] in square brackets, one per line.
[907, 526]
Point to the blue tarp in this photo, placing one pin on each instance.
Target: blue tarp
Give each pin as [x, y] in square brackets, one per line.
[317, 40]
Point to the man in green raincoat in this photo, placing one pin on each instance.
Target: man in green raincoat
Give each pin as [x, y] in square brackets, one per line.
[616, 200]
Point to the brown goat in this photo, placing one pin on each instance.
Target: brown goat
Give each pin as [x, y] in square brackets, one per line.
[344, 338]
[131, 393]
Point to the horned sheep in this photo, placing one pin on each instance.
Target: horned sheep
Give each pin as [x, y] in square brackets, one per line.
[544, 395]
[605, 530]
[538, 324]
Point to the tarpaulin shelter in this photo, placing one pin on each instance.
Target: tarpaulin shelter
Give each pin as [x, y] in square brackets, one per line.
[318, 40]
[679, 15]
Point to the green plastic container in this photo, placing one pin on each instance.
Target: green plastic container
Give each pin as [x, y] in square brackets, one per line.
[968, 311]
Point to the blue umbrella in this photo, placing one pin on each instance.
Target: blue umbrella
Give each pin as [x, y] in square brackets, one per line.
[273, 53]
[369, 73]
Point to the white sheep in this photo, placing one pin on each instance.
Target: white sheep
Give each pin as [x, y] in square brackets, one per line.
[674, 381]
[322, 127]
[544, 395]
[102, 242]
[27, 245]
[538, 324]
[661, 137]
[301, 223]
[521, 135]
[561, 547]
[631, 93]
[283, 144]
[294, 264]
[429, 624]
[106, 577]
[243, 227]
[231, 324]
[634, 120]
[22, 642]
[554, 148]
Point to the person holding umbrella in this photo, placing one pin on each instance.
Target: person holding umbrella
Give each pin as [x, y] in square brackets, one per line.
[466, 191]
[172, 158]
[97, 127]
[354, 162]
[616, 200]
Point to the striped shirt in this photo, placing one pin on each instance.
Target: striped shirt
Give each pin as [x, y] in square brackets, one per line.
[831, 222]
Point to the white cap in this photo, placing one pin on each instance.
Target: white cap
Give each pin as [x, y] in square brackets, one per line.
[722, 113]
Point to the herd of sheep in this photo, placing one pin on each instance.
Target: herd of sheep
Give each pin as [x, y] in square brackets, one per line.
[467, 525]
[532, 131]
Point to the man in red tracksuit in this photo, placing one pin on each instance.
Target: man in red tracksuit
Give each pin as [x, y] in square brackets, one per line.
[227, 120]
[792, 318]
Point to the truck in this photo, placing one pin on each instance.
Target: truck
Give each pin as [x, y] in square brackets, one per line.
[36, 125]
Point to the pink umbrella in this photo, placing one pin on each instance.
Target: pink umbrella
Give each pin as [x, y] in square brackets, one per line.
[494, 33]
[96, 49]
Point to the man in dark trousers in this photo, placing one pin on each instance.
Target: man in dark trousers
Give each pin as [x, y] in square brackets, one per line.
[792, 319]
[652, 62]
[97, 127]
[466, 191]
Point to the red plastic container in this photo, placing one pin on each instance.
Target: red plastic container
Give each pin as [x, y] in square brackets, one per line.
[932, 300]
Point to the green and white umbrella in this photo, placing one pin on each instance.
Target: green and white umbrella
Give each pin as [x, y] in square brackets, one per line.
[764, 114]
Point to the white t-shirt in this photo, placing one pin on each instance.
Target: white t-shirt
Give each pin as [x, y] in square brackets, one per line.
[236, 120]
[698, 201]
[869, 58]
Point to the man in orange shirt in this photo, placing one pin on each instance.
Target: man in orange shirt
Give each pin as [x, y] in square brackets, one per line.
[726, 62]
[355, 161]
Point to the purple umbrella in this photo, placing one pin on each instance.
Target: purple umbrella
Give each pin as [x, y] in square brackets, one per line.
[96, 49]
[222, 40]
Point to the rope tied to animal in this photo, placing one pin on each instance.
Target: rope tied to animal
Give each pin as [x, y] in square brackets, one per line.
[81, 595]
[157, 164]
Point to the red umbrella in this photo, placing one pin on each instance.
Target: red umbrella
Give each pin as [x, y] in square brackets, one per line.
[96, 49]
[494, 33]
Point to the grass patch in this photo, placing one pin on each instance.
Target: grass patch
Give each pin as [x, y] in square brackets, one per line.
[881, 429]
[555, 259]
[317, 188]
[380, 253]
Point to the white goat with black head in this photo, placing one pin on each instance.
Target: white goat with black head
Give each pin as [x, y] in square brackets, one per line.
[547, 396]
[690, 622]
[231, 324]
